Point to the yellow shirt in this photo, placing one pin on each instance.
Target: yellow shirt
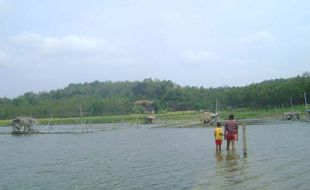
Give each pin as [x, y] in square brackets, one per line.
[218, 133]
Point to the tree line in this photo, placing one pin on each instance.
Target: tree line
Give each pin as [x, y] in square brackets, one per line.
[111, 98]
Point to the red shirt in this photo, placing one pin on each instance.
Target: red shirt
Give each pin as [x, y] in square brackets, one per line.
[231, 126]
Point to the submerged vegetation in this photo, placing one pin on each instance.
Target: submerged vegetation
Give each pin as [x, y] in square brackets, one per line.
[106, 101]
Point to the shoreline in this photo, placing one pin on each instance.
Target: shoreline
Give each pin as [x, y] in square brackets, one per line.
[184, 118]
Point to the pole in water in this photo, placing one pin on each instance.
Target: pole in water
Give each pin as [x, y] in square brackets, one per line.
[245, 149]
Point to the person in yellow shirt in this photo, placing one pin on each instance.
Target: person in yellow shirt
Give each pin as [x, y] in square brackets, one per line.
[218, 135]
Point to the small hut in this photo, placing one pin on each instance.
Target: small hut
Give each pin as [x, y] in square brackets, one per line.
[209, 118]
[149, 119]
[23, 125]
[291, 116]
[147, 108]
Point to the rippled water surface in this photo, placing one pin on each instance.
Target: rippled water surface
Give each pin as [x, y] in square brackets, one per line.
[161, 158]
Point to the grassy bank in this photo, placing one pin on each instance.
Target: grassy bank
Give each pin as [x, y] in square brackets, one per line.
[131, 118]
[242, 113]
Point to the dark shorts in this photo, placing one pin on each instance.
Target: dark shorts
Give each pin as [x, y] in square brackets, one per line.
[231, 137]
[218, 142]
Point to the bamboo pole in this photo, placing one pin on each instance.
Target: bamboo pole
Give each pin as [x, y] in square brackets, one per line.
[275, 111]
[137, 119]
[245, 149]
[292, 107]
[306, 104]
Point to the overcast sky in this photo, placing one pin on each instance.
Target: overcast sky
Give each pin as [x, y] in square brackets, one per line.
[48, 44]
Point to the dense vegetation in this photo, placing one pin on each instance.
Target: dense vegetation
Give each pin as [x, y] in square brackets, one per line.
[110, 98]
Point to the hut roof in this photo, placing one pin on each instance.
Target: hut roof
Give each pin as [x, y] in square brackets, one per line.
[25, 120]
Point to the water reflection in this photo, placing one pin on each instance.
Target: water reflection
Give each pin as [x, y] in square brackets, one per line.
[219, 156]
[232, 162]
[230, 167]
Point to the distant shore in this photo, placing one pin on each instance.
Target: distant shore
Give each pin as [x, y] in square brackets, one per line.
[181, 118]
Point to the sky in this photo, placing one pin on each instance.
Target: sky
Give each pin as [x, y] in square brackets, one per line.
[48, 44]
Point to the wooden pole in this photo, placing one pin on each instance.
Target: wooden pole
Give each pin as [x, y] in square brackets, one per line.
[292, 107]
[305, 96]
[307, 111]
[245, 149]
[275, 111]
[137, 118]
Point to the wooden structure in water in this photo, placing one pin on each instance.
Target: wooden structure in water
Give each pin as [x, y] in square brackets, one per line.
[209, 118]
[147, 108]
[244, 141]
[291, 116]
[24, 125]
[308, 114]
[307, 110]
[149, 119]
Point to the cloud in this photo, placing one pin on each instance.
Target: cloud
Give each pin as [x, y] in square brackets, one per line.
[48, 44]
[69, 43]
[262, 35]
[39, 52]
[200, 56]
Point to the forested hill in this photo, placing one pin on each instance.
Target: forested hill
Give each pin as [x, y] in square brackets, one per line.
[108, 98]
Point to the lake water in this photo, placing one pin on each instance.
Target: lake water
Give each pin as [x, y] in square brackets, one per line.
[158, 158]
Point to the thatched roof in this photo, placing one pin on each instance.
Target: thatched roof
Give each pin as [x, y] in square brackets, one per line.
[25, 121]
[23, 125]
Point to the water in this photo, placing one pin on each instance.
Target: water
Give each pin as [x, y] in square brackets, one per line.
[161, 158]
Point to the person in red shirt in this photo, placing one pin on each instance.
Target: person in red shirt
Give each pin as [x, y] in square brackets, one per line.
[231, 132]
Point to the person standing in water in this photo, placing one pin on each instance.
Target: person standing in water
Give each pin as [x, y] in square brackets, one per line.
[231, 132]
[218, 135]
